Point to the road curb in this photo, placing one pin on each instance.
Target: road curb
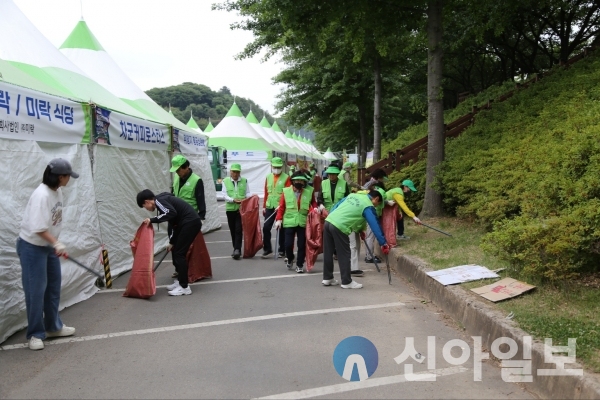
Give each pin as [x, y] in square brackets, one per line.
[481, 319]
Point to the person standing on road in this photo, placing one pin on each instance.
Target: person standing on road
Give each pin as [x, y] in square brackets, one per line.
[396, 196]
[275, 182]
[349, 215]
[370, 237]
[346, 175]
[235, 189]
[333, 189]
[188, 186]
[39, 250]
[295, 204]
[183, 227]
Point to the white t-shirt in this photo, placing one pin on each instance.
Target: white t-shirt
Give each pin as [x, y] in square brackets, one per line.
[43, 213]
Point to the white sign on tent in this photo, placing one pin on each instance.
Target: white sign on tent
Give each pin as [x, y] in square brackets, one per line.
[122, 130]
[29, 115]
[189, 143]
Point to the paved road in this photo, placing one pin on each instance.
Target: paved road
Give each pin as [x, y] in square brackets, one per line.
[254, 330]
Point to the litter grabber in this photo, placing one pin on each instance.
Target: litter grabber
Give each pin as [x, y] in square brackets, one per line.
[160, 261]
[276, 253]
[271, 216]
[387, 262]
[99, 282]
[435, 229]
[372, 255]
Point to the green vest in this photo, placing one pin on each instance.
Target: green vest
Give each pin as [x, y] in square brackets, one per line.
[274, 191]
[241, 192]
[341, 174]
[187, 191]
[292, 217]
[389, 195]
[347, 217]
[340, 191]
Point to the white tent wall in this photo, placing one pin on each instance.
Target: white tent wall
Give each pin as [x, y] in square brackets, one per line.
[201, 166]
[119, 174]
[23, 164]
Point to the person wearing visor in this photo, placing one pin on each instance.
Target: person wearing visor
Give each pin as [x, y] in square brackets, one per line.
[345, 175]
[188, 187]
[347, 216]
[396, 196]
[39, 250]
[235, 189]
[275, 182]
[295, 204]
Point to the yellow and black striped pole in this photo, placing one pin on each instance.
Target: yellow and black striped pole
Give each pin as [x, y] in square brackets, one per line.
[106, 265]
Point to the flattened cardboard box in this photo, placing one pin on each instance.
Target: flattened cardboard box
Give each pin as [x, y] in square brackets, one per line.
[503, 289]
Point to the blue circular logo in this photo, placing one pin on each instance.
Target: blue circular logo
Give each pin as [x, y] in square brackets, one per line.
[355, 358]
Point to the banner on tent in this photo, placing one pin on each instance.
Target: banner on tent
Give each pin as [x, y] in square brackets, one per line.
[189, 143]
[29, 115]
[247, 155]
[122, 130]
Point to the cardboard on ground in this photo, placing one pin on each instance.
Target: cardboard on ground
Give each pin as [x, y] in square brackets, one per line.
[462, 273]
[503, 289]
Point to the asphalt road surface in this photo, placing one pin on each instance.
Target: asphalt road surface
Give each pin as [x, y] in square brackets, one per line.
[254, 330]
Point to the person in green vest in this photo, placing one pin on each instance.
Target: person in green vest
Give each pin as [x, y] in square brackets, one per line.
[275, 182]
[370, 237]
[345, 174]
[396, 196]
[347, 216]
[292, 169]
[333, 189]
[188, 186]
[294, 205]
[235, 189]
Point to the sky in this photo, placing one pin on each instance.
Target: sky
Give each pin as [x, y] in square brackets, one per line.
[160, 43]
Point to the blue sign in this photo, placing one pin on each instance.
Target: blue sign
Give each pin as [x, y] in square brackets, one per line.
[355, 358]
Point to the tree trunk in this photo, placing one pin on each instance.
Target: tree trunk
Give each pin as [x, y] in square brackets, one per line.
[362, 143]
[377, 110]
[432, 206]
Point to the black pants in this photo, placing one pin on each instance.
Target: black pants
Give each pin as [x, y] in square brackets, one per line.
[234, 220]
[267, 247]
[400, 225]
[185, 235]
[300, 232]
[333, 238]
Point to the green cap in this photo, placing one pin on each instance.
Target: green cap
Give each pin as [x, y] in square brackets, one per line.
[292, 167]
[332, 170]
[235, 167]
[299, 177]
[410, 184]
[276, 162]
[347, 164]
[177, 162]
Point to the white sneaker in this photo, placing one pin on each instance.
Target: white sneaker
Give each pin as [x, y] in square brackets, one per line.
[330, 282]
[65, 331]
[352, 285]
[173, 285]
[36, 343]
[179, 291]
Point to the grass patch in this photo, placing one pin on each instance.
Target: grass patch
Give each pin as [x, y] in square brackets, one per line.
[571, 310]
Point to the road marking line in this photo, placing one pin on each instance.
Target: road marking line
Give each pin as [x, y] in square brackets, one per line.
[369, 383]
[259, 278]
[205, 324]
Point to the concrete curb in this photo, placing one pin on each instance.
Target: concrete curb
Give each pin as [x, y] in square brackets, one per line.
[481, 319]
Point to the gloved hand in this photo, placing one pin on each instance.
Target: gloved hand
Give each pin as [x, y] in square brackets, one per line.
[363, 235]
[59, 248]
[391, 202]
[277, 224]
[385, 249]
[169, 247]
[417, 220]
[321, 208]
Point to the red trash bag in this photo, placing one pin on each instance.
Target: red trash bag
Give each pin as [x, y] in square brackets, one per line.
[251, 226]
[388, 223]
[141, 282]
[317, 183]
[198, 260]
[315, 224]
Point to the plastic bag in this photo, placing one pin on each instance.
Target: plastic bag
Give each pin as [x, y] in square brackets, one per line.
[251, 227]
[141, 282]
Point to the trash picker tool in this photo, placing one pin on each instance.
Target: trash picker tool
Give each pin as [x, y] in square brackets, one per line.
[99, 282]
[160, 261]
[372, 255]
[435, 229]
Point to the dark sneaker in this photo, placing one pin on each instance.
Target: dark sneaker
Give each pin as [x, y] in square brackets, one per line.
[289, 266]
[358, 272]
[267, 254]
[402, 237]
[300, 270]
[370, 260]
[236, 254]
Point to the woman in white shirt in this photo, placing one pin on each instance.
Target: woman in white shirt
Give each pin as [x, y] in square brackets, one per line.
[38, 249]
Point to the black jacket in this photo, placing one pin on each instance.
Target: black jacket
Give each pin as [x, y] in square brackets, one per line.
[176, 212]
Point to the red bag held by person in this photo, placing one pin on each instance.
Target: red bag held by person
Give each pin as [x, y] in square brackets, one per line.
[141, 282]
[388, 222]
[315, 223]
[251, 226]
[198, 259]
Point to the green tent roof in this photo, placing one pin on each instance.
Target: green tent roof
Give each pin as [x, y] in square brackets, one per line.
[234, 111]
[276, 127]
[209, 127]
[288, 134]
[251, 118]
[192, 123]
[265, 123]
[82, 38]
